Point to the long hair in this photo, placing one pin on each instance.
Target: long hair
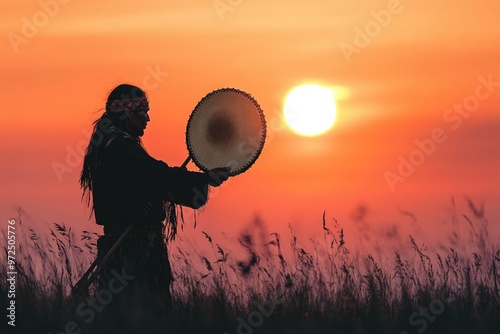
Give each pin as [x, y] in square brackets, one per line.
[111, 121]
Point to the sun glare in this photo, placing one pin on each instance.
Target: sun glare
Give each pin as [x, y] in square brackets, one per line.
[310, 110]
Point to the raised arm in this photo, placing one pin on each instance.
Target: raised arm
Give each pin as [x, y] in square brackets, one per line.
[152, 177]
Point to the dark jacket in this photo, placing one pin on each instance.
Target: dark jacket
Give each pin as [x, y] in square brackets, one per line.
[131, 186]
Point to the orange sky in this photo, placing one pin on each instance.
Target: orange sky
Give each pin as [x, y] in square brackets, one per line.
[422, 59]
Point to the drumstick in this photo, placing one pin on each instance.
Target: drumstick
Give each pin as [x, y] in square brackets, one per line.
[184, 164]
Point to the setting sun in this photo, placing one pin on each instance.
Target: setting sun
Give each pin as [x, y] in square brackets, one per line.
[310, 109]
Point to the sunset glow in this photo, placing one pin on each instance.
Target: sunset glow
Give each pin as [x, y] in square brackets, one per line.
[406, 71]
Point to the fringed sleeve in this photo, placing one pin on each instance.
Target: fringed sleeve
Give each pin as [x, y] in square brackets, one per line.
[184, 187]
[135, 180]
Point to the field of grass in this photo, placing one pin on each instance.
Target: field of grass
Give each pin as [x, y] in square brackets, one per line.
[269, 283]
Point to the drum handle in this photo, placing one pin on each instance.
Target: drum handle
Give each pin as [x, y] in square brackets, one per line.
[184, 164]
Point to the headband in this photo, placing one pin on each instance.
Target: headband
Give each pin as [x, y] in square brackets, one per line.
[134, 104]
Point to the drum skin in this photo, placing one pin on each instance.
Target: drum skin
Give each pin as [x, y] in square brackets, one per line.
[227, 128]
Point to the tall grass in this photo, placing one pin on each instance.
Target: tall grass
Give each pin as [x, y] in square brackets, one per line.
[324, 285]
